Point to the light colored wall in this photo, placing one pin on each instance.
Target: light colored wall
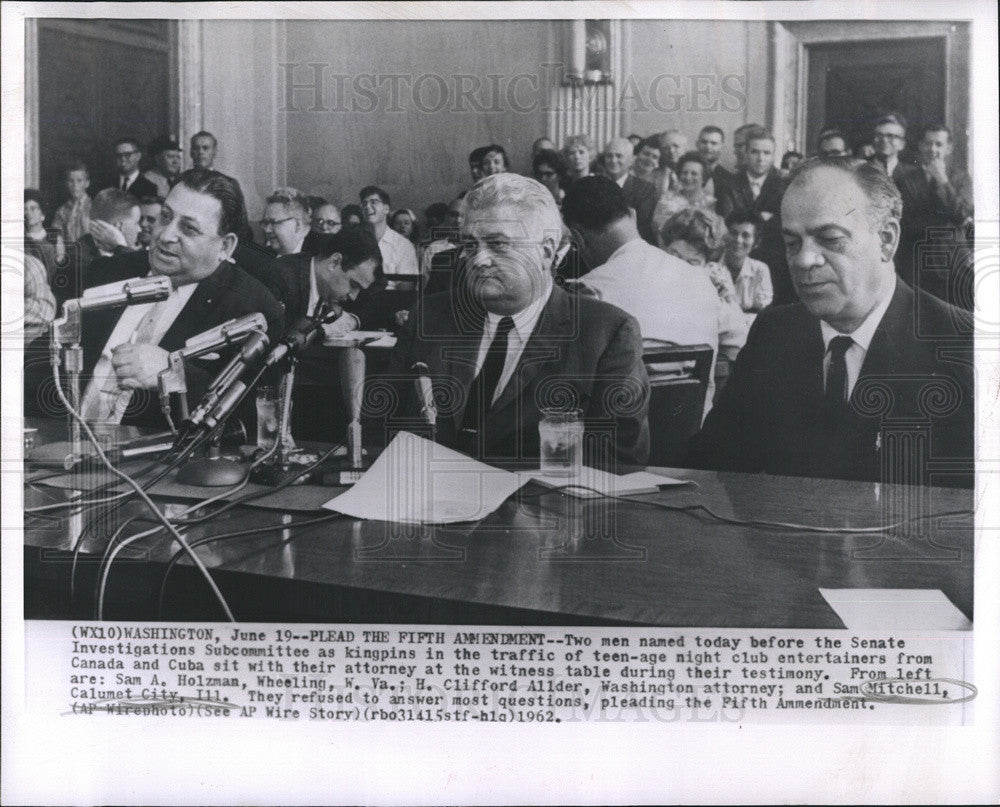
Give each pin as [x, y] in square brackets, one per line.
[416, 156]
[692, 73]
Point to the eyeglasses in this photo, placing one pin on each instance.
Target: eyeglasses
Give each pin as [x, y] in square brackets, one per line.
[326, 222]
[270, 224]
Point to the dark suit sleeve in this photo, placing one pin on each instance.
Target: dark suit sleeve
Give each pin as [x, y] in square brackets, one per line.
[621, 392]
[725, 203]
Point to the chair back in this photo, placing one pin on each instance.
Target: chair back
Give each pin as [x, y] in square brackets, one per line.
[678, 379]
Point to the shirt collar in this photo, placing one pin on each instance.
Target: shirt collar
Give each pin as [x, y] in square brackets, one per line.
[624, 250]
[131, 177]
[525, 319]
[622, 180]
[863, 334]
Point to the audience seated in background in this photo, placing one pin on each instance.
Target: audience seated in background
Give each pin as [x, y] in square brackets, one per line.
[549, 168]
[149, 214]
[495, 160]
[72, 219]
[789, 160]
[889, 138]
[441, 231]
[579, 152]
[671, 301]
[514, 342]
[128, 156]
[404, 222]
[325, 218]
[398, 254]
[639, 194]
[673, 143]
[741, 136]
[698, 237]
[819, 381]
[204, 147]
[351, 216]
[168, 162]
[286, 221]
[751, 278]
[39, 303]
[476, 163]
[542, 144]
[832, 143]
[690, 193]
[46, 245]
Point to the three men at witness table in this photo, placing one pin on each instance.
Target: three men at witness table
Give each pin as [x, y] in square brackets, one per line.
[509, 342]
[817, 381]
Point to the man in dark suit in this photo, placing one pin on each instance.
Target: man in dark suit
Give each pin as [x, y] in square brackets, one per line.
[709, 144]
[889, 138]
[640, 195]
[937, 218]
[851, 382]
[513, 343]
[758, 189]
[192, 244]
[128, 155]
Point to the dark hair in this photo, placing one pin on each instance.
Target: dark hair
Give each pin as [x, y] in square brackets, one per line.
[891, 117]
[712, 130]
[436, 214]
[744, 216]
[690, 157]
[355, 244]
[130, 141]
[882, 193]
[75, 165]
[496, 149]
[594, 202]
[758, 133]
[652, 142]
[314, 203]
[789, 155]
[33, 195]
[151, 200]
[226, 190]
[477, 154]
[702, 229]
[935, 127]
[830, 131]
[112, 204]
[748, 130]
[551, 158]
[347, 211]
[203, 133]
[369, 190]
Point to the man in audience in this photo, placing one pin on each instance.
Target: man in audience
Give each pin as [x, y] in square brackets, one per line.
[193, 241]
[639, 195]
[814, 382]
[495, 161]
[671, 302]
[832, 143]
[286, 221]
[128, 155]
[709, 145]
[673, 144]
[149, 214]
[398, 254]
[514, 342]
[72, 219]
[937, 210]
[476, 163]
[168, 159]
[203, 149]
[326, 219]
[741, 136]
[542, 144]
[890, 139]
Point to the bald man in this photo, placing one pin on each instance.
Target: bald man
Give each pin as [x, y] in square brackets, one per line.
[641, 196]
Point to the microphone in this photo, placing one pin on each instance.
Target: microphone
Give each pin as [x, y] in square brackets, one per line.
[251, 353]
[228, 333]
[127, 292]
[425, 392]
[303, 333]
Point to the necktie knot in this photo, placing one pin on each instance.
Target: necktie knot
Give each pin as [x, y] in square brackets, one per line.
[836, 374]
[839, 345]
[504, 327]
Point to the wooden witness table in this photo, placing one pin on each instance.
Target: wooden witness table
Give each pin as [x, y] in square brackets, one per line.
[541, 558]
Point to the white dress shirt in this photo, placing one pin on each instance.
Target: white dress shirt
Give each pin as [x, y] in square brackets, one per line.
[128, 180]
[753, 285]
[97, 403]
[756, 183]
[345, 323]
[398, 255]
[524, 324]
[862, 336]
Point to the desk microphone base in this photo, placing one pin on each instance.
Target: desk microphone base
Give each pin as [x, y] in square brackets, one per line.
[212, 472]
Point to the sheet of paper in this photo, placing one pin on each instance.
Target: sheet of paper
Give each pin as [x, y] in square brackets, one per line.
[356, 338]
[885, 609]
[608, 484]
[417, 481]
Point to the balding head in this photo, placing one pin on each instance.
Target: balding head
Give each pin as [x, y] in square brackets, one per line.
[618, 156]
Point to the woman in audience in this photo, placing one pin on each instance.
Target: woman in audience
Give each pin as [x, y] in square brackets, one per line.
[647, 164]
[47, 246]
[404, 222]
[690, 192]
[440, 234]
[549, 168]
[579, 153]
[751, 278]
[698, 237]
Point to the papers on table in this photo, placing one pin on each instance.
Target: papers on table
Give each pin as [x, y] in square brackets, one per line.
[883, 609]
[359, 339]
[417, 481]
[603, 483]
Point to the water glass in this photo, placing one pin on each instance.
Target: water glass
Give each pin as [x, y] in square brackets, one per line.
[560, 433]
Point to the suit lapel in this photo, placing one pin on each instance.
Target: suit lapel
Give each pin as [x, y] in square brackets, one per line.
[302, 275]
[200, 312]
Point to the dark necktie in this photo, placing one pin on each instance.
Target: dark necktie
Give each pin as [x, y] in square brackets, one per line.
[836, 375]
[124, 183]
[484, 386]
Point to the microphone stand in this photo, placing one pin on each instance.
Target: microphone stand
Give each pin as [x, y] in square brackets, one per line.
[65, 349]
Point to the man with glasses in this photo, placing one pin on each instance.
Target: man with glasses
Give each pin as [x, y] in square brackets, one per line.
[286, 221]
[128, 155]
[326, 219]
[398, 254]
[890, 139]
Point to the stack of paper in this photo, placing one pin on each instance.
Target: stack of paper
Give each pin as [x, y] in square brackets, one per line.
[591, 483]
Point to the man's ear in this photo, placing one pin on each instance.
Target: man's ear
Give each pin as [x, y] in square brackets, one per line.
[229, 242]
[889, 236]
